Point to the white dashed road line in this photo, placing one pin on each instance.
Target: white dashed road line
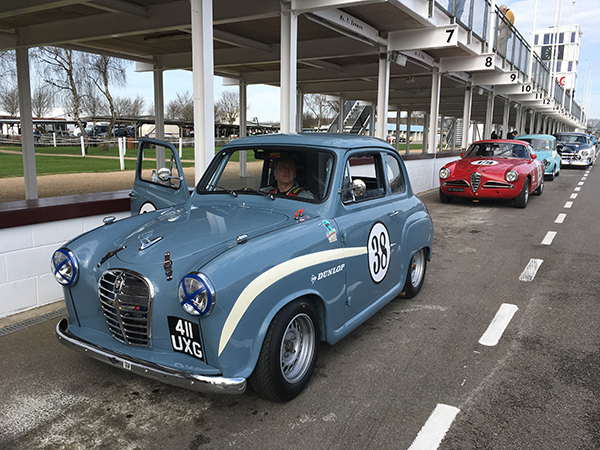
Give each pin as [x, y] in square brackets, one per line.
[561, 218]
[531, 269]
[580, 183]
[568, 204]
[436, 427]
[549, 237]
[577, 189]
[496, 329]
[574, 195]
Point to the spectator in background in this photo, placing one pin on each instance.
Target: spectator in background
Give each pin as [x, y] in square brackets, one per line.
[507, 21]
[494, 135]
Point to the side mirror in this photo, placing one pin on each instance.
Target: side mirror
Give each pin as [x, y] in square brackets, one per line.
[164, 174]
[358, 188]
[533, 156]
[462, 155]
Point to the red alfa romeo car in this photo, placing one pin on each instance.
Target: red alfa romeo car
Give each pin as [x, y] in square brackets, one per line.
[494, 169]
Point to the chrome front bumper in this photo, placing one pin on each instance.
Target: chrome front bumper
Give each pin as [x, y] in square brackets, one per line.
[179, 378]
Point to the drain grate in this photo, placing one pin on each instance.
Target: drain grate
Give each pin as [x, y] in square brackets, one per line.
[33, 321]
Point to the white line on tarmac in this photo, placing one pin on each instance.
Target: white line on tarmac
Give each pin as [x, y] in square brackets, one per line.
[574, 195]
[531, 269]
[494, 332]
[436, 427]
[580, 183]
[549, 237]
[561, 218]
[577, 189]
[568, 204]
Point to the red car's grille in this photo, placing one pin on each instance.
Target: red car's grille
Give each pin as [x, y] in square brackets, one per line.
[475, 181]
[497, 185]
[456, 183]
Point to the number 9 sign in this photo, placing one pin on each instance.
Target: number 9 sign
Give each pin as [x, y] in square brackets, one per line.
[379, 251]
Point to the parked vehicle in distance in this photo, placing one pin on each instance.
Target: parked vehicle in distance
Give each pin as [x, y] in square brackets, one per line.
[504, 169]
[576, 149]
[243, 279]
[544, 146]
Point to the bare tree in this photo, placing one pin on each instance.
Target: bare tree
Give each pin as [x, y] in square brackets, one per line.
[42, 101]
[63, 71]
[8, 66]
[9, 100]
[127, 107]
[107, 71]
[229, 106]
[182, 108]
[319, 107]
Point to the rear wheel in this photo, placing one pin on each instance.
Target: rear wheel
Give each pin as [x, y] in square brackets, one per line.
[416, 273]
[523, 198]
[444, 198]
[289, 353]
[540, 188]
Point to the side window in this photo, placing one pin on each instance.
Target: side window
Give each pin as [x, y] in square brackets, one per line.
[165, 176]
[395, 178]
[367, 169]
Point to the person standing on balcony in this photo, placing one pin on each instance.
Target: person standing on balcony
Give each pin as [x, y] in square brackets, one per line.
[507, 21]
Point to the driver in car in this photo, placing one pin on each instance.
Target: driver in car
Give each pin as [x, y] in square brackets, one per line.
[284, 171]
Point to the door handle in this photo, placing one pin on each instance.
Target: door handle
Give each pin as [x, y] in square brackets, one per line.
[395, 213]
[132, 195]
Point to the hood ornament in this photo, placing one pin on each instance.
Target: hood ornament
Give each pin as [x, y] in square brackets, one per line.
[145, 240]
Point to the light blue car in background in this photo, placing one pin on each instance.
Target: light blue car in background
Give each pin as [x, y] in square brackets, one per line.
[241, 280]
[544, 146]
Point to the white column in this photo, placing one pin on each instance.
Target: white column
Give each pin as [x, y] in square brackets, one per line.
[408, 134]
[159, 115]
[531, 124]
[506, 116]
[27, 139]
[425, 132]
[204, 90]
[383, 90]
[434, 110]
[489, 116]
[289, 51]
[467, 116]
[397, 143]
[243, 120]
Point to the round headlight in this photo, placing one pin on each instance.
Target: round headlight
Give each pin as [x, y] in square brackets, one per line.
[65, 267]
[196, 294]
[511, 176]
[584, 153]
[444, 173]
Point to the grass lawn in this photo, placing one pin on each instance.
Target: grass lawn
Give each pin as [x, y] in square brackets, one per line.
[12, 165]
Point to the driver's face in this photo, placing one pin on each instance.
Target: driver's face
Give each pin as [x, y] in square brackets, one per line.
[285, 172]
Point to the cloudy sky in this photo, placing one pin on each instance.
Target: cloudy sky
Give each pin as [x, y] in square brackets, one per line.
[263, 101]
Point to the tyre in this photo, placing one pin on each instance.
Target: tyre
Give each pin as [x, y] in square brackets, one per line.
[444, 198]
[523, 198]
[289, 353]
[550, 177]
[540, 188]
[416, 273]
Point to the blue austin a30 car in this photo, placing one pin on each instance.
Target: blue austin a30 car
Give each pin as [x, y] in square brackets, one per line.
[287, 241]
[544, 146]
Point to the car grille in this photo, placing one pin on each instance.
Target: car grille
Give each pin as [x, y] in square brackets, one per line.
[475, 181]
[456, 183]
[126, 300]
[497, 185]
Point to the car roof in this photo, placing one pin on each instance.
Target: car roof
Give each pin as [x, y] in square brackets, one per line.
[573, 133]
[332, 141]
[537, 136]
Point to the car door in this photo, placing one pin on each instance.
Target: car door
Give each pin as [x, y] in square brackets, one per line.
[157, 187]
[366, 223]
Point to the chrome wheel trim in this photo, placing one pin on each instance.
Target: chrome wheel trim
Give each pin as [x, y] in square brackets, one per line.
[417, 268]
[297, 348]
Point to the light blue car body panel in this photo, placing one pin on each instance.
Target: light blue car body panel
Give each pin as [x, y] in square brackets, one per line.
[323, 257]
[550, 156]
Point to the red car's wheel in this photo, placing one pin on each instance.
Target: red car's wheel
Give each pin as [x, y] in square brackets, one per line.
[445, 198]
[523, 198]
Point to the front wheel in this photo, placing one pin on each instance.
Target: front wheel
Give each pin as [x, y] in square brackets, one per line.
[289, 353]
[416, 273]
[523, 198]
[444, 198]
[540, 188]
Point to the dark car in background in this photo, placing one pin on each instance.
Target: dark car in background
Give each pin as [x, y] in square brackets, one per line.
[576, 149]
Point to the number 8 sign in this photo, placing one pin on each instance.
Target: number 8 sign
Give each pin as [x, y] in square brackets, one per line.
[379, 251]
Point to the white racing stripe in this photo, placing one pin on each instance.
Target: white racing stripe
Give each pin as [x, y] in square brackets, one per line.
[436, 427]
[531, 269]
[273, 275]
[561, 218]
[549, 237]
[494, 332]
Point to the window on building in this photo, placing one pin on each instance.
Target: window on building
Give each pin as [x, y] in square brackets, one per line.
[546, 39]
[536, 39]
[573, 37]
[558, 66]
[561, 38]
[570, 66]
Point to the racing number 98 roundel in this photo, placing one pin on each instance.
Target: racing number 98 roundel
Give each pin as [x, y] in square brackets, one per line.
[378, 245]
